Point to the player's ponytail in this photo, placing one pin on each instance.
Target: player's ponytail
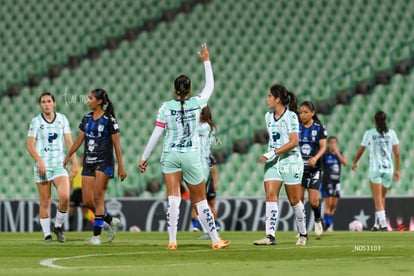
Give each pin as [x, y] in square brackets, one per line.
[293, 102]
[205, 116]
[101, 94]
[381, 122]
[287, 98]
[182, 86]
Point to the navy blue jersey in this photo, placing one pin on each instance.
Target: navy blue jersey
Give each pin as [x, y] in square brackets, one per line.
[309, 143]
[98, 141]
[331, 168]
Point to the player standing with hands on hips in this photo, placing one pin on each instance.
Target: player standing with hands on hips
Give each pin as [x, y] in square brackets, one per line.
[100, 131]
[180, 157]
[382, 142]
[283, 162]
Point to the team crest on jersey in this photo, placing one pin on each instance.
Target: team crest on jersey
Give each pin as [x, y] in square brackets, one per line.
[100, 128]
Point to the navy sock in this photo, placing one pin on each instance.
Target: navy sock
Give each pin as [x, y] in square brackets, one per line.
[317, 212]
[97, 225]
[107, 217]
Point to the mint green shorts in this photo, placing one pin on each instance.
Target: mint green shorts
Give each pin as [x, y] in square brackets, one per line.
[289, 172]
[382, 178]
[51, 173]
[189, 163]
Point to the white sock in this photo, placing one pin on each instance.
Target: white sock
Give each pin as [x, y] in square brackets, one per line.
[206, 218]
[381, 218]
[204, 227]
[272, 213]
[60, 218]
[45, 223]
[173, 213]
[300, 217]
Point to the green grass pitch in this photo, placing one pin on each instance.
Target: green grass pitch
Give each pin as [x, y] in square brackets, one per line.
[144, 253]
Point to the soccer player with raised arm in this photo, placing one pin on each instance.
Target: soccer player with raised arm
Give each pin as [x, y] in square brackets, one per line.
[180, 157]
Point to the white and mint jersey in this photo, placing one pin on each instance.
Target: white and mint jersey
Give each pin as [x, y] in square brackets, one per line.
[279, 132]
[50, 138]
[206, 138]
[181, 137]
[380, 149]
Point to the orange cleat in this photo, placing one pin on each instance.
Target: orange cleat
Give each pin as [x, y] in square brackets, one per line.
[220, 245]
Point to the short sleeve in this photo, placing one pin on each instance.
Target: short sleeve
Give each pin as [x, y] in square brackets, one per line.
[293, 125]
[113, 125]
[161, 114]
[394, 138]
[365, 139]
[83, 123]
[323, 133]
[66, 126]
[32, 129]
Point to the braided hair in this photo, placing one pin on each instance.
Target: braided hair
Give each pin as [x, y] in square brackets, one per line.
[101, 94]
[182, 85]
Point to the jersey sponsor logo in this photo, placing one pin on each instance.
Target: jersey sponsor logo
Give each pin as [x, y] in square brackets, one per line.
[51, 137]
[306, 149]
[275, 136]
[90, 159]
[182, 144]
[91, 145]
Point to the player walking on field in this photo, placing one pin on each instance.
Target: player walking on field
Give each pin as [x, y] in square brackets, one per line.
[331, 180]
[100, 131]
[283, 162]
[48, 133]
[312, 144]
[180, 157]
[382, 143]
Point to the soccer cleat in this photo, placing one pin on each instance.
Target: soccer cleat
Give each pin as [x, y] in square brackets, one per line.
[196, 229]
[220, 245]
[113, 227]
[48, 238]
[383, 229]
[375, 228]
[95, 240]
[302, 240]
[268, 240]
[318, 228]
[59, 234]
[172, 246]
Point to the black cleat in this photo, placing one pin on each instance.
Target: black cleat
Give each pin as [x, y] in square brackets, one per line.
[48, 238]
[59, 234]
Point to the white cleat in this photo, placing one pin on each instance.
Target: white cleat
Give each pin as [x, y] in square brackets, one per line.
[93, 241]
[113, 227]
[302, 240]
[318, 228]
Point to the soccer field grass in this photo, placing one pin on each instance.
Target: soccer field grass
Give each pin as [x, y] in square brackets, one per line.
[144, 253]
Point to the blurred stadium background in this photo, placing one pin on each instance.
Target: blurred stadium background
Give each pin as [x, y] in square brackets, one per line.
[350, 57]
